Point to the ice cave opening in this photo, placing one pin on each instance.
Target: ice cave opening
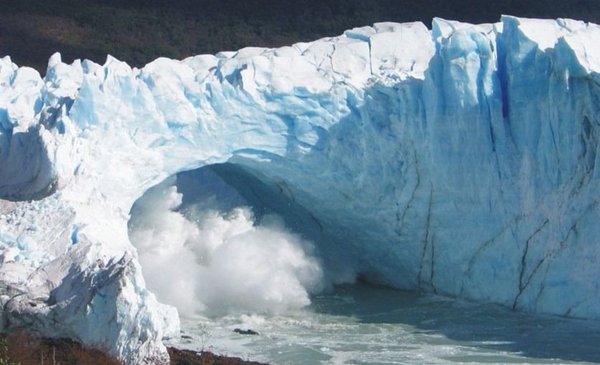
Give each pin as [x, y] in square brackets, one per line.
[223, 238]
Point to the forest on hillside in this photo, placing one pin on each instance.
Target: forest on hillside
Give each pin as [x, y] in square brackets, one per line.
[138, 31]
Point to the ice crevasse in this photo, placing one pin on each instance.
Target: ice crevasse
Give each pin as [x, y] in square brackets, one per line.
[459, 160]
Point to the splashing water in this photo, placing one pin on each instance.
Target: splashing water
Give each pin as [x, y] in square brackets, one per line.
[216, 263]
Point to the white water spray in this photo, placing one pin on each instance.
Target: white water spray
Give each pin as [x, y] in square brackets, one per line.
[218, 263]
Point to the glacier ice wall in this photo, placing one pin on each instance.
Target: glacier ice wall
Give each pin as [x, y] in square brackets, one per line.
[459, 160]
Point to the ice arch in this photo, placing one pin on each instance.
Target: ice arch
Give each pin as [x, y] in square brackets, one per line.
[460, 160]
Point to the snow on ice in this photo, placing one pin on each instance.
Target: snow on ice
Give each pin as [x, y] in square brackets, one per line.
[459, 160]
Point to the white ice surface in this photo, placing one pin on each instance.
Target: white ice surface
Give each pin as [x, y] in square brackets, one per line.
[460, 160]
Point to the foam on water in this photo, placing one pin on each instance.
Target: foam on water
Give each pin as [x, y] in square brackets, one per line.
[360, 324]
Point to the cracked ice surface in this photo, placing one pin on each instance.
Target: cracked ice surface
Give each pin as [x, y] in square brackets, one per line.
[460, 160]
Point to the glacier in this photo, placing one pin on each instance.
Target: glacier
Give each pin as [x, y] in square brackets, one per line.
[458, 160]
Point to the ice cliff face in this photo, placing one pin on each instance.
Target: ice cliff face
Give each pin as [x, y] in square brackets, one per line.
[460, 160]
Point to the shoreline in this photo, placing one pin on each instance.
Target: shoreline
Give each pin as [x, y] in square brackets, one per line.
[21, 348]
[188, 357]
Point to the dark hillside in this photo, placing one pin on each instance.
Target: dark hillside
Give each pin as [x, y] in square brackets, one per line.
[138, 31]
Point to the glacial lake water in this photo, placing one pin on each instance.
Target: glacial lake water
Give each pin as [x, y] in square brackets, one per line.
[361, 324]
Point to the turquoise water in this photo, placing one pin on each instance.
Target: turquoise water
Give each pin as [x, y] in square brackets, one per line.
[361, 324]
